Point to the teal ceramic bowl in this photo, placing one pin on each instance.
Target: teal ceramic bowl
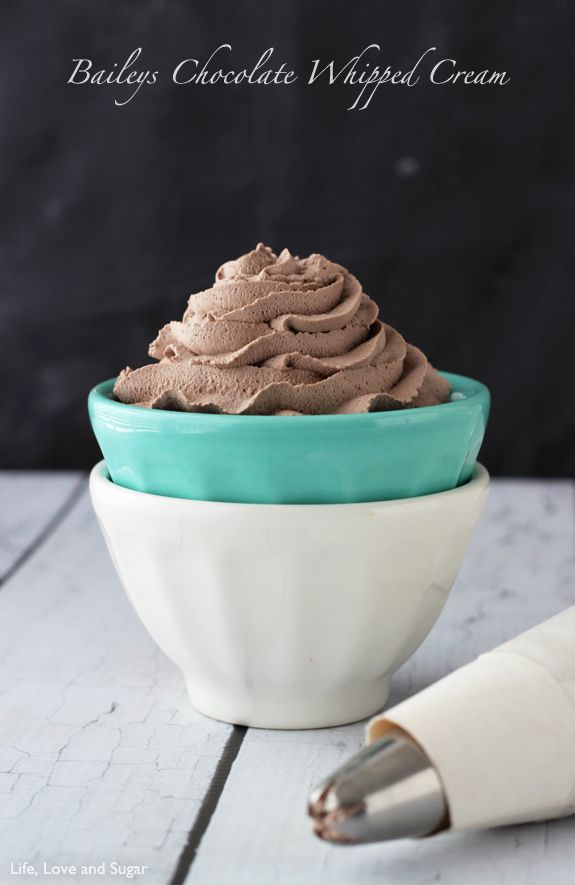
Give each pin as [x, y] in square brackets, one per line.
[307, 459]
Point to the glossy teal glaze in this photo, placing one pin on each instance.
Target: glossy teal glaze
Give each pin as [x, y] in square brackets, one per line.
[307, 459]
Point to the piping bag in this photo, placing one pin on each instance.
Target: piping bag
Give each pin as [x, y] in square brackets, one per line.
[493, 743]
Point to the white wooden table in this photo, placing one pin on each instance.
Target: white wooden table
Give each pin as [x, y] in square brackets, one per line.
[103, 760]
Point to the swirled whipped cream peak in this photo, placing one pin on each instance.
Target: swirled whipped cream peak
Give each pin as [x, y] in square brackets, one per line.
[282, 335]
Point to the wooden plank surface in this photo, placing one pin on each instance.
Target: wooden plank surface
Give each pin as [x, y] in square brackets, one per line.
[102, 758]
[29, 504]
[519, 570]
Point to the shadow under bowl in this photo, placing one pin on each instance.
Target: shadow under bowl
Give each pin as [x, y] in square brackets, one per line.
[307, 459]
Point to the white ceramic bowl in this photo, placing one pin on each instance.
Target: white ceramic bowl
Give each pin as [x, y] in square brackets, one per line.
[287, 615]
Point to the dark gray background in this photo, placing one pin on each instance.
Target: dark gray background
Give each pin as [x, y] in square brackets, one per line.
[454, 205]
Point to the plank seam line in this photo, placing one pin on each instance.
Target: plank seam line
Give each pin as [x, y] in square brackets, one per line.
[63, 510]
[209, 804]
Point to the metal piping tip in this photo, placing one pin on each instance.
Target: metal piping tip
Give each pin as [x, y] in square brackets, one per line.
[329, 822]
[389, 790]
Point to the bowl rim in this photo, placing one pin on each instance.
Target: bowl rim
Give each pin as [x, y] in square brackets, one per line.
[100, 478]
[473, 391]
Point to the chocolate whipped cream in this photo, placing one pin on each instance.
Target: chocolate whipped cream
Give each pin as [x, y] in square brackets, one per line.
[280, 335]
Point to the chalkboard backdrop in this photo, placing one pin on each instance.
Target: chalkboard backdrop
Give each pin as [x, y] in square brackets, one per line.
[454, 204]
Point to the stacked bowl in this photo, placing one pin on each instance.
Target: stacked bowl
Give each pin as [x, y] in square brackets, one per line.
[289, 565]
